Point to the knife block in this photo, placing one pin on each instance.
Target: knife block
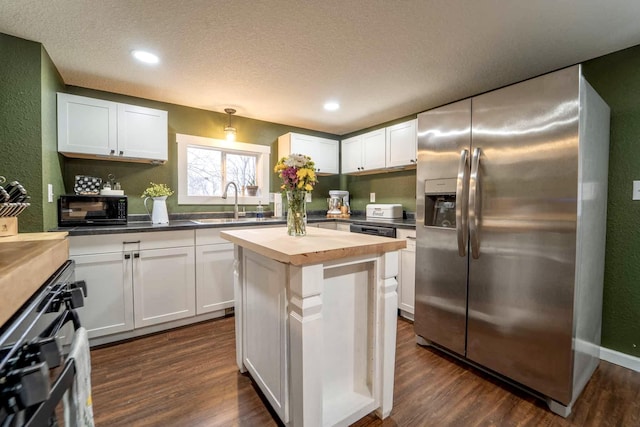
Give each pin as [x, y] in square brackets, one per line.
[8, 226]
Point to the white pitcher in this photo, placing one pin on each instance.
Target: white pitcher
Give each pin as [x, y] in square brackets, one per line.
[159, 209]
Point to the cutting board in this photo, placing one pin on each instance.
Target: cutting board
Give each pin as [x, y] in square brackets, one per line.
[26, 261]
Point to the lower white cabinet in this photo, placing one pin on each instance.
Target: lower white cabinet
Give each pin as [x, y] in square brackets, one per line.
[108, 308]
[163, 285]
[134, 280]
[214, 270]
[407, 274]
[214, 277]
[341, 226]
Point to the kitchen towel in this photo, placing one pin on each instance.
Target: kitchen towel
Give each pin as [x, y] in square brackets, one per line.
[78, 410]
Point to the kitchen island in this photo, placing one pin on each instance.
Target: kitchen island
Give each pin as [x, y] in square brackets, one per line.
[316, 321]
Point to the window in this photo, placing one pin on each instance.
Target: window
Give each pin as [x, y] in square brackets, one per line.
[206, 166]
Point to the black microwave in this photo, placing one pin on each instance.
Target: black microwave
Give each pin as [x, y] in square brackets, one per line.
[76, 210]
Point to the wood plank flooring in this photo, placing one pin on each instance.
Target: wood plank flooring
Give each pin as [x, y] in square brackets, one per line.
[188, 377]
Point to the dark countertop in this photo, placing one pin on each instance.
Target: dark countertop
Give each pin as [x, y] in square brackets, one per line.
[188, 224]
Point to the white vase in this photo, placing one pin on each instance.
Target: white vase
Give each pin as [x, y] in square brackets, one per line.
[159, 214]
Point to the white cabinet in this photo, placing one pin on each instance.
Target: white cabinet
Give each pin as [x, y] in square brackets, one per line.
[163, 285]
[214, 271]
[95, 128]
[323, 151]
[341, 226]
[329, 225]
[407, 274]
[135, 279]
[108, 307]
[364, 152]
[401, 143]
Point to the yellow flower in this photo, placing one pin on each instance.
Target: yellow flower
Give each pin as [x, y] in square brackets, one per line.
[300, 184]
[302, 172]
[308, 187]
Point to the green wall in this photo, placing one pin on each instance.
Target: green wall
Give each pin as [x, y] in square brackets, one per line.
[616, 77]
[135, 177]
[20, 123]
[51, 161]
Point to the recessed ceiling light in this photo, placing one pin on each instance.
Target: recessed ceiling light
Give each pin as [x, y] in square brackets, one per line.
[146, 57]
[331, 106]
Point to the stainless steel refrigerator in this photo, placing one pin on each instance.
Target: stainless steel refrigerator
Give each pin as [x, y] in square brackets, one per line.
[510, 222]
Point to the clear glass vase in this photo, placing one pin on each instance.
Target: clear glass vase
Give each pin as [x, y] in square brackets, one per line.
[296, 213]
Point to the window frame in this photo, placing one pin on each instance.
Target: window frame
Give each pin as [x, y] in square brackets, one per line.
[262, 152]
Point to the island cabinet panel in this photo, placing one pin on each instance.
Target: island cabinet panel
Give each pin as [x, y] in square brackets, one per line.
[265, 337]
[318, 333]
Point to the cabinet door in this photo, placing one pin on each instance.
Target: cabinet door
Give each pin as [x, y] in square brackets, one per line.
[142, 133]
[407, 278]
[323, 151]
[401, 144]
[352, 154]
[373, 150]
[164, 285]
[108, 307]
[86, 125]
[214, 277]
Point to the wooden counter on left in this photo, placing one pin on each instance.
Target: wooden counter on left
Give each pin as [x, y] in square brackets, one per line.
[26, 261]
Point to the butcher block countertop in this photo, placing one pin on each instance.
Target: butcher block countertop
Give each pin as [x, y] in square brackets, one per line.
[317, 246]
[26, 261]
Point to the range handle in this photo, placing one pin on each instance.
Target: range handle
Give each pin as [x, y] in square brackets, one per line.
[474, 203]
[462, 195]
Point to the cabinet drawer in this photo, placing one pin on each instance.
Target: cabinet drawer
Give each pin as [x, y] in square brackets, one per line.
[403, 233]
[211, 236]
[105, 243]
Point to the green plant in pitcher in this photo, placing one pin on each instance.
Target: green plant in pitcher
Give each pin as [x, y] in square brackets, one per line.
[157, 190]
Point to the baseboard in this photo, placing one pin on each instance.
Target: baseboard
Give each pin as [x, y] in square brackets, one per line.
[621, 359]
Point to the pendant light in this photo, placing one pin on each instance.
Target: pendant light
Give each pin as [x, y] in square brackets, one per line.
[229, 130]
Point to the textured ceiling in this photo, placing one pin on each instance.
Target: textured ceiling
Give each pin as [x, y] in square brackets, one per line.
[280, 60]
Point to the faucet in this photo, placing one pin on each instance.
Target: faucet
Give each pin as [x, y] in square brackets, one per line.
[235, 204]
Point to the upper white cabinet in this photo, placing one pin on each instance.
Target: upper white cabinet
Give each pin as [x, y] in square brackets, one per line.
[390, 147]
[95, 128]
[364, 152]
[323, 151]
[402, 144]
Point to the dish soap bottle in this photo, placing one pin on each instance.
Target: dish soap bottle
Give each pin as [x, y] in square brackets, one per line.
[259, 212]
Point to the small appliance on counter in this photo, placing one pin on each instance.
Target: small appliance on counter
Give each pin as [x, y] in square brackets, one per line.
[338, 204]
[77, 210]
[384, 211]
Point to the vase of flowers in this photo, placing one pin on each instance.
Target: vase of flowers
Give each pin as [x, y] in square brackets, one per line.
[298, 175]
[158, 193]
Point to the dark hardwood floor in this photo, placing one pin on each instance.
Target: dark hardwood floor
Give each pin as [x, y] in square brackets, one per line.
[188, 377]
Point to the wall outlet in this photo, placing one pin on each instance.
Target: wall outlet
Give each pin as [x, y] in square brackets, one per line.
[636, 190]
[50, 193]
[372, 197]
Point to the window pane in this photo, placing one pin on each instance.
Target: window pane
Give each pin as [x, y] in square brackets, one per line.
[204, 172]
[241, 169]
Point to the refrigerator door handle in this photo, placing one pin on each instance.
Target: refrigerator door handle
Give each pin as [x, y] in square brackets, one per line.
[474, 202]
[462, 196]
